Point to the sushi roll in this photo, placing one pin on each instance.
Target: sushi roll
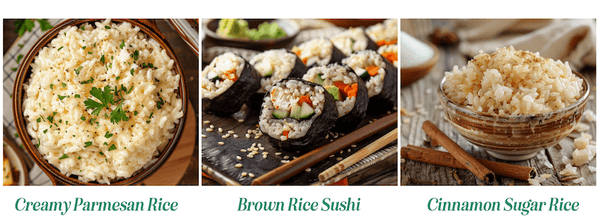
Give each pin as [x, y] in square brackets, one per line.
[385, 33]
[297, 114]
[227, 83]
[348, 91]
[353, 40]
[390, 52]
[275, 65]
[318, 52]
[380, 77]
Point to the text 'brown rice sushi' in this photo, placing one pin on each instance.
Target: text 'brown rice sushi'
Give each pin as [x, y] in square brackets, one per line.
[227, 83]
[348, 91]
[297, 114]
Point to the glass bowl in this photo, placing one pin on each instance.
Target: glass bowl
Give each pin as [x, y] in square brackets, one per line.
[514, 137]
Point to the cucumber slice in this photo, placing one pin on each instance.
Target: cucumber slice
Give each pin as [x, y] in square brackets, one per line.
[279, 114]
[268, 74]
[319, 80]
[334, 91]
[307, 110]
[296, 111]
[361, 72]
[212, 75]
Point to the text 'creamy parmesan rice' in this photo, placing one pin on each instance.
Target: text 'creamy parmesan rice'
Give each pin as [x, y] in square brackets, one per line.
[142, 83]
[511, 82]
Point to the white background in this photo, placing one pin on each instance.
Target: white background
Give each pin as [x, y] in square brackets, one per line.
[210, 204]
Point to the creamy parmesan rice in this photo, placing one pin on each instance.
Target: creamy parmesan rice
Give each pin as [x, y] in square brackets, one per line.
[79, 143]
[511, 82]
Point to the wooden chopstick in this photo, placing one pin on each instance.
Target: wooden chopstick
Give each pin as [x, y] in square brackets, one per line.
[298, 165]
[361, 154]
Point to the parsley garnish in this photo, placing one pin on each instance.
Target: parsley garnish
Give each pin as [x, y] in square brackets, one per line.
[51, 117]
[122, 44]
[105, 96]
[51, 86]
[108, 135]
[14, 69]
[89, 143]
[61, 97]
[118, 114]
[83, 47]
[64, 156]
[77, 96]
[82, 118]
[102, 59]
[19, 58]
[112, 147]
[135, 113]
[63, 84]
[131, 71]
[105, 143]
[78, 70]
[16, 135]
[160, 103]
[45, 131]
[135, 55]
[79, 157]
[118, 78]
[89, 52]
[91, 80]
[20, 46]
[94, 45]
[131, 88]
[28, 24]
[39, 119]
[82, 27]
[60, 48]
[107, 27]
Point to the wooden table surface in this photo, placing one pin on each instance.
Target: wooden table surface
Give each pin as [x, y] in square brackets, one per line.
[189, 62]
[423, 93]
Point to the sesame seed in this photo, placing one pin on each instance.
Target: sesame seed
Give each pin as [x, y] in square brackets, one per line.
[286, 157]
[327, 137]
[262, 148]
[247, 135]
[349, 150]
[259, 145]
[221, 143]
[209, 129]
[264, 156]
[203, 136]
[256, 137]
[249, 131]
[250, 156]
[251, 175]
[206, 122]
[244, 174]
[339, 159]
[331, 140]
[341, 151]
[230, 132]
[239, 165]
[285, 161]
[238, 157]
[235, 135]
[220, 129]
[225, 136]
[240, 120]
[265, 153]
[212, 126]
[307, 170]
[331, 156]
[242, 150]
[277, 153]
[352, 145]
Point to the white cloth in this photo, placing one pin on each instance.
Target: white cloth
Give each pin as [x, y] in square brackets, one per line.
[572, 40]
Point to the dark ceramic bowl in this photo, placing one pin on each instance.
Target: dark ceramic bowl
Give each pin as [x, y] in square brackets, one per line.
[149, 28]
[290, 27]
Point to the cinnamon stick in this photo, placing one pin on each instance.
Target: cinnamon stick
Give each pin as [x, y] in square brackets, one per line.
[458, 153]
[445, 159]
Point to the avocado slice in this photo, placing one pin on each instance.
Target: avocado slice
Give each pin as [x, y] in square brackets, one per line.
[280, 114]
[306, 111]
[295, 111]
[335, 92]
[268, 73]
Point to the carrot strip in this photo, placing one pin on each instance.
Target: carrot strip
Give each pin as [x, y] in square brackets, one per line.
[340, 85]
[305, 98]
[373, 70]
[285, 133]
[230, 74]
[390, 56]
[385, 43]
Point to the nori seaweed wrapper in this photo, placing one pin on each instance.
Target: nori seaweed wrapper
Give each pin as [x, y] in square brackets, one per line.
[387, 98]
[233, 98]
[350, 120]
[319, 129]
[371, 45]
[297, 71]
[336, 57]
